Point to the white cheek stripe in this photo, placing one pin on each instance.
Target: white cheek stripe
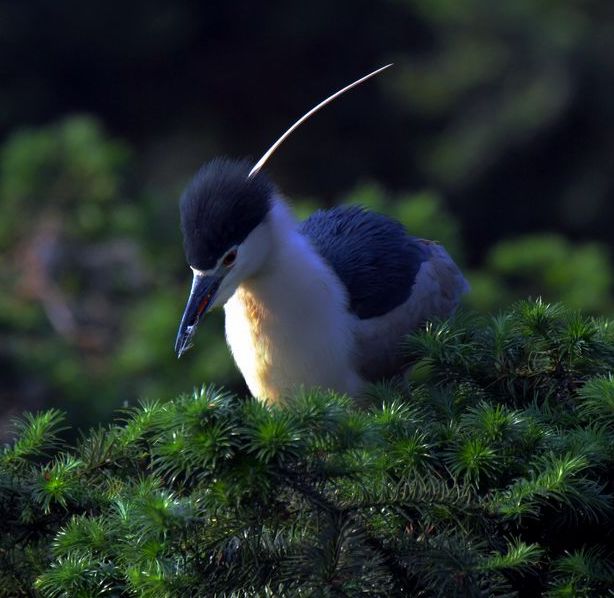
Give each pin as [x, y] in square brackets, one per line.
[198, 272]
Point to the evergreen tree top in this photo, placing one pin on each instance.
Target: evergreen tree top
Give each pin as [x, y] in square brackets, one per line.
[488, 472]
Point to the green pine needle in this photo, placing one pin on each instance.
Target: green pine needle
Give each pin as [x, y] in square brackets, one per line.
[504, 430]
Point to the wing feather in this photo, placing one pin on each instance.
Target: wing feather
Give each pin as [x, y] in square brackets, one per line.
[436, 293]
[372, 254]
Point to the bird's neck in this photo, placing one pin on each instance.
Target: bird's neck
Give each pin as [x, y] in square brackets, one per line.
[294, 277]
[287, 325]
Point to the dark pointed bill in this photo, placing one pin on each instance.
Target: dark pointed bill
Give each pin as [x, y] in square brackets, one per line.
[202, 295]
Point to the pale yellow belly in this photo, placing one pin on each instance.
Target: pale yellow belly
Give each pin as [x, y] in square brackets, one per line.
[278, 356]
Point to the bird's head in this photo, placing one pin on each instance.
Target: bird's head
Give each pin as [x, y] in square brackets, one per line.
[225, 227]
[225, 236]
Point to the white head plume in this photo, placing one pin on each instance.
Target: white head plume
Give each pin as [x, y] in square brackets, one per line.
[303, 118]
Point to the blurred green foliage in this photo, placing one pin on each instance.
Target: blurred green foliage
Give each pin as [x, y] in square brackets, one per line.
[93, 277]
[71, 168]
[88, 311]
[549, 266]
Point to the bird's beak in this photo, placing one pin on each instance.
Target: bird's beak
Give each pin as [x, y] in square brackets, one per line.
[202, 295]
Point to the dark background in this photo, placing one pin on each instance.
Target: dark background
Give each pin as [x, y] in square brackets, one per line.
[493, 133]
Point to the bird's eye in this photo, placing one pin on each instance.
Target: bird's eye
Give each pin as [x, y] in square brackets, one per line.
[229, 258]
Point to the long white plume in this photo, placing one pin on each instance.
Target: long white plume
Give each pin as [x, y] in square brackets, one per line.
[303, 118]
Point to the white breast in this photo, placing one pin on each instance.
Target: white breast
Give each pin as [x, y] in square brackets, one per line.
[289, 326]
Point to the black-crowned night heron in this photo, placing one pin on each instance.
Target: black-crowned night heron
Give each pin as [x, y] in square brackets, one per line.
[320, 303]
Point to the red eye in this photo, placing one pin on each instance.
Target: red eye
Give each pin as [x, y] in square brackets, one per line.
[229, 258]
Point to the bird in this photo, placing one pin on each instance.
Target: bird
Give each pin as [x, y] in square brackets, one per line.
[321, 303]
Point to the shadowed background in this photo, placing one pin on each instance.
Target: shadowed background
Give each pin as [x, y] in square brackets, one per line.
[493, 133]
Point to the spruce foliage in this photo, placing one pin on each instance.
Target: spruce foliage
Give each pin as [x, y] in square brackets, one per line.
[486, 472]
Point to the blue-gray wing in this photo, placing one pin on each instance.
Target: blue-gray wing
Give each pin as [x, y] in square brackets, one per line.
[436, 293]
[372, 254]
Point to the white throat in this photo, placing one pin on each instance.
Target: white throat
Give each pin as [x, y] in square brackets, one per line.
[288, 325]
